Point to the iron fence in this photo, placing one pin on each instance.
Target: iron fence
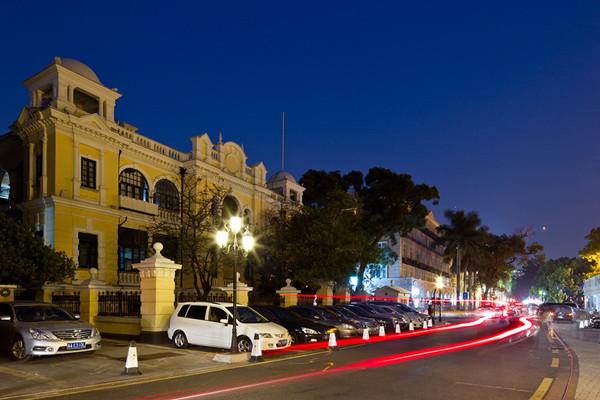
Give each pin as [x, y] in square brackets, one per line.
[69, 302]
[119, 304]
[183, 297]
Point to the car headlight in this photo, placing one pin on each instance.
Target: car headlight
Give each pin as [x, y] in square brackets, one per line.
[95, 332]
[382, 321]
[309, 331]
[266, 335]
[347, 326]
[41, 335]
[404, 319]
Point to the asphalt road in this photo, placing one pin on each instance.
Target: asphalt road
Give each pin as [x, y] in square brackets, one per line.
[514, 368]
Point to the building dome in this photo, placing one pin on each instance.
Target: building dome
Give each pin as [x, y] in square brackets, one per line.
[80, 68]
[282, 176]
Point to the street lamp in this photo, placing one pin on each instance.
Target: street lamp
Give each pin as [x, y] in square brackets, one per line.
[439, 285]
[231, 238]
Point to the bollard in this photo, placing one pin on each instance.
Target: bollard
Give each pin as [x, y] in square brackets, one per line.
[332, 343]
[398, 327]
[131, 363]
[381, 331]
[411, 326]
[256, 355]
[365, 335]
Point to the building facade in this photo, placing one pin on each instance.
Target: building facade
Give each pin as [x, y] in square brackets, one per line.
[591, 293]
[91, 186]
[419, 263]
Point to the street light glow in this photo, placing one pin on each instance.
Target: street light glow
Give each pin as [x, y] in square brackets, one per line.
[439, 282]
[247, 242]
[222, 238]
[235, 224]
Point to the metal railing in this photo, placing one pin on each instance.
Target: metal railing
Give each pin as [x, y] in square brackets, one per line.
[184, 297]
[119, 304]
[128, 278]
[69, 302]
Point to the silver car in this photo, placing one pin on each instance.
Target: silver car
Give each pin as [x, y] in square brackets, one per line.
[40, 329]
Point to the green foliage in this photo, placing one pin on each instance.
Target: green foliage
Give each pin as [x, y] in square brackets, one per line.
[591, 251]
[26, 261]
[561, 279]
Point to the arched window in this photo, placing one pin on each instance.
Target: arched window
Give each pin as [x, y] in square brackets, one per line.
[133, 184]
[166, 195]
[230, 207]
[4, 185]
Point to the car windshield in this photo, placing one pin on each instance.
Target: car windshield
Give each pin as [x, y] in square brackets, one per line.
[332, 313]
[248, 315]
[41, 313]
[347, 313]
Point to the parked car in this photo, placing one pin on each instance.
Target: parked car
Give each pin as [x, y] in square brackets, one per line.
[40, 329]
[345, 328]
[301, 330]
[388, 322]
[370, 323]
[595, 323]
[411, 314]
[557, 312]
[210, 324]
[579, 314]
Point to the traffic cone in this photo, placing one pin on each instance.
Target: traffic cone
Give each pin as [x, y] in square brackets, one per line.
[586, 323]
[430, 322]
[332, 343]
[411, 326]
[365, 334]
[381, 331]
[131, 363]
[424, 324]
[398, 327]
[256, 355]
[580, 324]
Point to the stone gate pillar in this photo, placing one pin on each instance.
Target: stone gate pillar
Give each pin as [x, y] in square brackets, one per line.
[326, 291]
[157, 285]
[288, 294]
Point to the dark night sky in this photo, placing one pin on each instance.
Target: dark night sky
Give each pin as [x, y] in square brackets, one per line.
[496, 104]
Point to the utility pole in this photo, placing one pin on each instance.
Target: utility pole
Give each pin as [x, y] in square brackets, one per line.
[458, 292]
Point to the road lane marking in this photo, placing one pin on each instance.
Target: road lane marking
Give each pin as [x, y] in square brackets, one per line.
[541, 391]
[493, 387]
[554, 363]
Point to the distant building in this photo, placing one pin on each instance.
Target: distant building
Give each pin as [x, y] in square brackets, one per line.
[420, 262]
[591, 292]
[91, 186]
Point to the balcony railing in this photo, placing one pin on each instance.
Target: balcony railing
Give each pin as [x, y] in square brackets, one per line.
[128, 278]
[129, 203]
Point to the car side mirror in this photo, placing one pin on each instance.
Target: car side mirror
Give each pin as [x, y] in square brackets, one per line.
[77, 316]
[5, 317]
[224, 321]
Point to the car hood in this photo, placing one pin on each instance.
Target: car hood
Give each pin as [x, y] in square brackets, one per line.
[54, 325]
[266, 327]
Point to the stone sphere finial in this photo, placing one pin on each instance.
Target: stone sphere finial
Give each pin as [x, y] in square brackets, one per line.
[93, 273]
[288, 282]
[158, 246]
[237, 276]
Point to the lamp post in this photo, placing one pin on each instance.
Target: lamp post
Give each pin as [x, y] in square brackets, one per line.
[231, 238]
[439, 285]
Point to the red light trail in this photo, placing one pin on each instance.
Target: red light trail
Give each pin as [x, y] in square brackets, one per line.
[369, 363]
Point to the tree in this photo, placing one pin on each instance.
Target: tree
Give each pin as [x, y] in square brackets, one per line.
[463, 237]
[525, 274]
[202, 205]
[26, 261]
[591, 251]
[315, 243]
[386, 204]
[562, 279]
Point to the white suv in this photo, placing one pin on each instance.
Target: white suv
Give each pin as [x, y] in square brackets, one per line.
[209, 324]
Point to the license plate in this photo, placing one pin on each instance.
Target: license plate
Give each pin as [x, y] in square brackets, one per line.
[282, 342]
[76, 346]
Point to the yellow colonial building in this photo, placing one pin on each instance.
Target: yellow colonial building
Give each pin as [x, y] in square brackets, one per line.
[92, 186]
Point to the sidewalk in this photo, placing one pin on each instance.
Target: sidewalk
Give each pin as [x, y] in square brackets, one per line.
[104, 367]
[586, 344]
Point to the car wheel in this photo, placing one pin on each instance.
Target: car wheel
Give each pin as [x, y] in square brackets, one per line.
[18, 351]
[294, 339]
[244, 344]
[180, 340]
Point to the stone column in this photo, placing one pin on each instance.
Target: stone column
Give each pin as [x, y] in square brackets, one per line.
[242, 291]
[88, 296]
[326, 293]
[30, 170]
[7, 293]
[44, 183]
[157, 283]
[288, 294]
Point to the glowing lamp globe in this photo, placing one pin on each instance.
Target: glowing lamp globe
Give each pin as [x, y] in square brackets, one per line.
[247, 242]
[235, 224]
[222, 238]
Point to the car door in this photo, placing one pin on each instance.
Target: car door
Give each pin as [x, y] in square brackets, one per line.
[195, 325]
[219, 333]
[6, 327]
